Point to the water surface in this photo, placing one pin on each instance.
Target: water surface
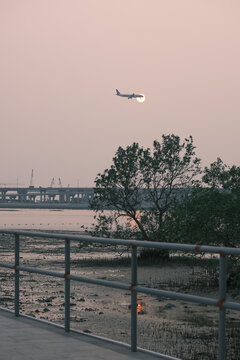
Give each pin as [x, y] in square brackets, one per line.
[45, 219]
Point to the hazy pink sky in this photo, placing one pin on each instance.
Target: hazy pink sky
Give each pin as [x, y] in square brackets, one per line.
[61, 61]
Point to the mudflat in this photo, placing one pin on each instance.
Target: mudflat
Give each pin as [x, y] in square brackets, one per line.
[166, 326]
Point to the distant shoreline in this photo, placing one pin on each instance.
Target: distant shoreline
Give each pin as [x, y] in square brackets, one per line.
[56, 206]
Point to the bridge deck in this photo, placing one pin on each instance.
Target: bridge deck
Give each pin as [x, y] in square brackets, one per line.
[22, 338]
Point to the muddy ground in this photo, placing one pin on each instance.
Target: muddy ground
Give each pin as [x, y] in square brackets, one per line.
[175, 328]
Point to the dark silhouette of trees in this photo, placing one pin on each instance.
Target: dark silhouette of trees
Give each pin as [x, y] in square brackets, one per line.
[211, 214]
[141, 186]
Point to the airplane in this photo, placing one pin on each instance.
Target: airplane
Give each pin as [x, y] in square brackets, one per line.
[129, 96]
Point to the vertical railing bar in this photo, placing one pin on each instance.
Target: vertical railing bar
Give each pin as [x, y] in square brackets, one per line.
[67, 285]
[16, 276]
[133, 299]
[222, 311]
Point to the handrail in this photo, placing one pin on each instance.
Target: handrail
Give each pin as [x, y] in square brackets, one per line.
[221, 302]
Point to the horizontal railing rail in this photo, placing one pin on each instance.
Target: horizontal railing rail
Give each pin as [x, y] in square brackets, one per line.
[133, 287]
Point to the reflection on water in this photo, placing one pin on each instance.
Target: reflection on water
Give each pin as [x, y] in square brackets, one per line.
[44, 219]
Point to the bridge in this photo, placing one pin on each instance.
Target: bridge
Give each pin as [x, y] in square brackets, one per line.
[45, 197]
[60, 197]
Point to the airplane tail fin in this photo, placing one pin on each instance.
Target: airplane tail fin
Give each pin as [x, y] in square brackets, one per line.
[117, 92]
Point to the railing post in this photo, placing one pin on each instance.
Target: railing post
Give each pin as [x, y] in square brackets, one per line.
[67, 285]
[133, 299]
[16, 296]
[222, 311]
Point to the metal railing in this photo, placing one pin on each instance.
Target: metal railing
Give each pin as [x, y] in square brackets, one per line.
[133, 287]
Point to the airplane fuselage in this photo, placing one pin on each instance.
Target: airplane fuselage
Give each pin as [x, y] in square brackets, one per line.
[129, 96]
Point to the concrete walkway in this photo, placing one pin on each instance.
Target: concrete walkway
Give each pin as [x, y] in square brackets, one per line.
[26, 339]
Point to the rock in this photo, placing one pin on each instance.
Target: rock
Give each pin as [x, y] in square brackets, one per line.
[169, 306]
[81, 320]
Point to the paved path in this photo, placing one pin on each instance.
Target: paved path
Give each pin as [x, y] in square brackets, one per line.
[25, 339]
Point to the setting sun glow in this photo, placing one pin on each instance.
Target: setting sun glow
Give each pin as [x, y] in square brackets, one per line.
[141, 99]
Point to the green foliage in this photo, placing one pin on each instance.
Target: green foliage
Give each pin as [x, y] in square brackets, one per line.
[142, 185]
[153, 195]
[210, 215]
[221, 176]
[233, 281]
